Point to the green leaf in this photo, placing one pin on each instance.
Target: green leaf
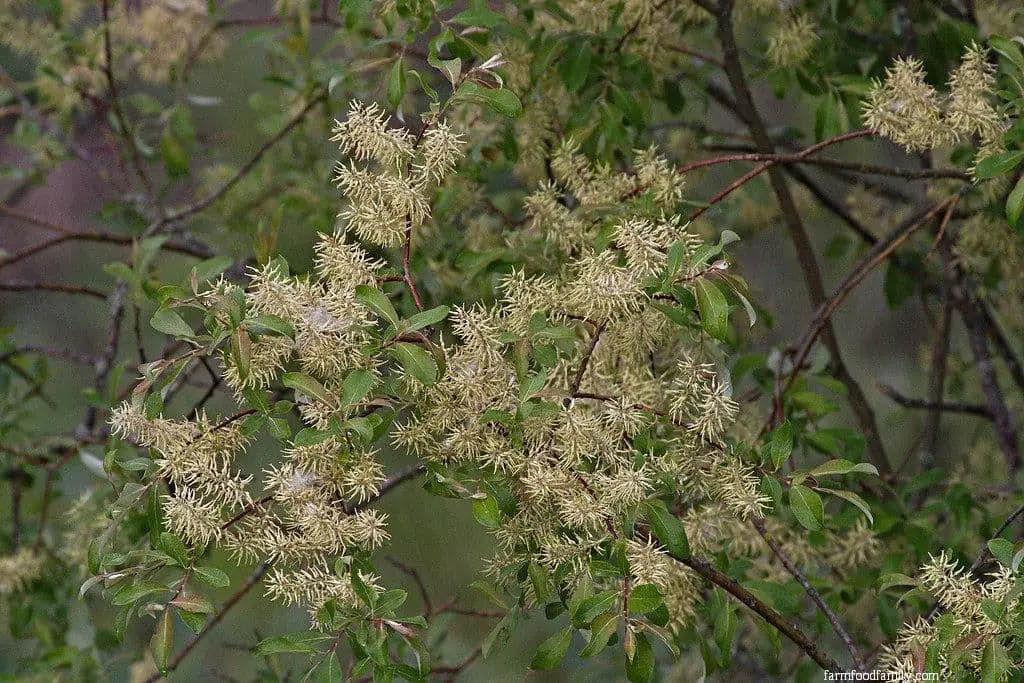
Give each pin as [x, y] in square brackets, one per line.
[532, 384]
[501, 100]
[378, 302]
[310, 437]
[171, 323]
[489, 591]
[886, 581]
[416, 362]
[133, 592]
[713, 307]
[842, 467]
[303, 642]
[172, 545]
[485, 511]
[212, 576]
[575, 65]
[584, 612]
[396, 84]
[807, 507]
[162, 641]
[997, 164]
[481, 17]
[279, 428]
[1015, 207]
[898, 285]
[193, 602]
[668, 529]
[303, 383]
[993, 609]
[645, 598]
[602, 629]
[539, 579]
[852, 497]
[173, 153]
[390, 600]
[552, 650]
[329, 670]
[357, 385]
[194, 620]
[499, 635]
[426, 318]
[271, 325]
[640, 667]
[367, 594]
[1009, 49]
[1002, 550]
[995, 663]
[780, 444]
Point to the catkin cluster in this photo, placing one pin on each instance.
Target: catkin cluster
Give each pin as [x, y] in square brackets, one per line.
[911, 113]
[958, 637]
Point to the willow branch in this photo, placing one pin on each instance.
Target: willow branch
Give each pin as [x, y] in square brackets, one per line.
[65, 354]
[244, 170]
[188, 247]
[811, 591]
[249, 584]
[106, 359]
[29, 286]
[115, 104]
[769, 614]
[928, 404]
[878, 254]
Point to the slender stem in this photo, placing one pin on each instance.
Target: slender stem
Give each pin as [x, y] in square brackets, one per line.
[115, 104]
[811, 591]
[249, 584]
[585, 359]
[878, 254]
[28, 286]
[769, 614]
[413, 573]
[106, 359]
[928, 404]
[244, 170]
[396, 479]
[66, 354]
[407, 268]
[248, 510]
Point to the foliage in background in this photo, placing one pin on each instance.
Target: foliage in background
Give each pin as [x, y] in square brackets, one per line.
[523, 294]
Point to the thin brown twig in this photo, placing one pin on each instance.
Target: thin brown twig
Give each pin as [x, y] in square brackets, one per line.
[811, 591]
[414, 574]
[769, 614]
[248, 166]
[65, 354]
[248, 510]
[249, 584]
[115, 105]
[106, 359]
[878, 254]
[29, 286]
[929, 404]
[585, 359]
